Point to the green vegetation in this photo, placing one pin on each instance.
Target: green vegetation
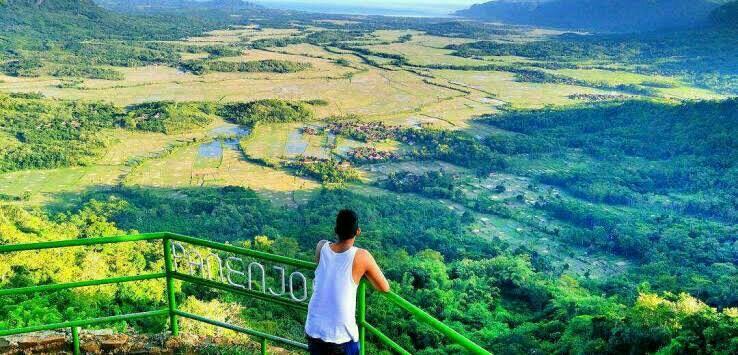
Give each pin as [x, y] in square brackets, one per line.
[24, 67]
[169, 117]
[453, 147]
[86, 72]
[29, 23]
[123, 54]
[259, 66]
[43, 267]
[659, 137]
[265, 111]
[57, 133]
[316, 102]
[640, 155]
[74, 38]
[317, 38]
[438, 184]
[494, 295]
[50, 133]
[329, 171]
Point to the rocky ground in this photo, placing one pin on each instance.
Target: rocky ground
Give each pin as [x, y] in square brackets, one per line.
[108, 342]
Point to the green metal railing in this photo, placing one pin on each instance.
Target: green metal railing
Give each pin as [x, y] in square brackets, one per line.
[170, 274]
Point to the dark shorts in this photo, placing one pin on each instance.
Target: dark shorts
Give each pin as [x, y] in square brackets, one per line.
[320, 347]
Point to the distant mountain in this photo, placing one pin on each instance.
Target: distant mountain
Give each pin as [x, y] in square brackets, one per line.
[146, 5]
[36, 23]
[726, 15]
[597, 15]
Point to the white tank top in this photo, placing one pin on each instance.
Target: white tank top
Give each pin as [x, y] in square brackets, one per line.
[332, 309]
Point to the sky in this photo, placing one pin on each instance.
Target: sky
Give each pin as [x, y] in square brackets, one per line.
[375, 7]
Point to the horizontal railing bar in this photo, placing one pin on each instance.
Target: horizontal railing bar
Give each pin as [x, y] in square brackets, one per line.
[242, 251]
[450, 333]
[70, 285]
[80, 242]
[84, 322]
[435, 323]
[385, 339]
[236, 328]
[245, 292]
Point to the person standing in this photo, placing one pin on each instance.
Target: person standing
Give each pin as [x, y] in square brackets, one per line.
[331, 327]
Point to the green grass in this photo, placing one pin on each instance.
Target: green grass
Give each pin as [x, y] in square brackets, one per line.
[43, 184]
[664, 85]
[419, 54]
[502, 86]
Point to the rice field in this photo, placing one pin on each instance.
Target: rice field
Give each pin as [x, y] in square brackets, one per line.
[42, 186]
[278, 141]
[503, 87]
[243, 33]
[421, 54]
[406, 96]
[186, 167]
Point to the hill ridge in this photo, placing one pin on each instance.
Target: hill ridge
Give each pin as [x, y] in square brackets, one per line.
[596, 15]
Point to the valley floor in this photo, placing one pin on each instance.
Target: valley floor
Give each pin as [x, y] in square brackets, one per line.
[410, 95]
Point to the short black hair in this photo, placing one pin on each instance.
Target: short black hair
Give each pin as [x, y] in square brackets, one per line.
[347, 224]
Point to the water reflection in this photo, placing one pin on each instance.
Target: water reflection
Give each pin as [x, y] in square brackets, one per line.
[228, 136]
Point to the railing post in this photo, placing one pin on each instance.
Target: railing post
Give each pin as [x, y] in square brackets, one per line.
[362, 317]
[263, 346]
[168, 264]
[75, 341]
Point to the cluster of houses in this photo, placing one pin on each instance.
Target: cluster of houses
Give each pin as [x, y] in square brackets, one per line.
[310, 130]
[364, 131]
[597, 97]
[371, 155]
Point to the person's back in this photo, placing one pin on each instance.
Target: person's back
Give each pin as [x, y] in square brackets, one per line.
[331, 322]
[331, 316]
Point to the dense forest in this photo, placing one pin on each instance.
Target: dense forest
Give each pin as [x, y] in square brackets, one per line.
[491, 293]
[642, 156]
[658, 136]
[29, 23]
[48, 134]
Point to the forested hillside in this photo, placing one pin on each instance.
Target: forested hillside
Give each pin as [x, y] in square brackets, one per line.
[30, 23]
[642, 156]
[596, 15]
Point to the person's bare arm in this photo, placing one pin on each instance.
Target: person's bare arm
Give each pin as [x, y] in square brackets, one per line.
[318, 248]
[373, 272]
